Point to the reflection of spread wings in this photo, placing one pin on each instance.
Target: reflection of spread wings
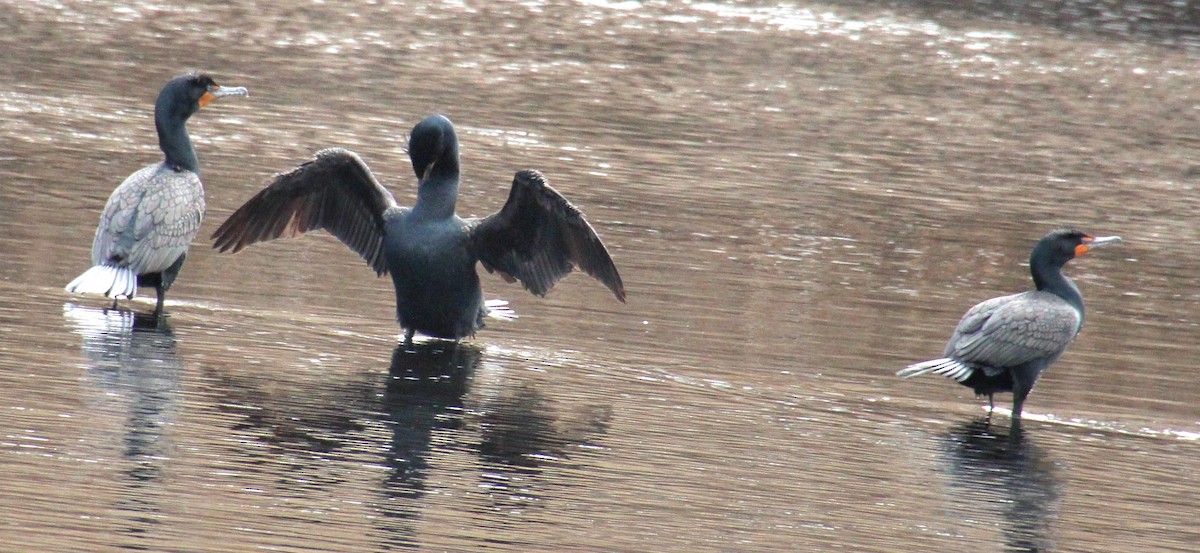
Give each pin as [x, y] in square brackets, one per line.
[1012, 330]
[335, 191]
[538, 237]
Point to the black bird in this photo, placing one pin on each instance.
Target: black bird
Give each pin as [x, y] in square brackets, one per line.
[538, 237]
[152, 217]
[1004, 344]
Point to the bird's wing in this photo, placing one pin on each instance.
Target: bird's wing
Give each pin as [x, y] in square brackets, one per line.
[973, 321]
[150, 220]
[1017, 330]
[538, 237]
[335, 191]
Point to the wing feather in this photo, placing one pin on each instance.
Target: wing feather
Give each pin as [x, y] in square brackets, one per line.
[538, 237]
[1012, 330]
[150, 220]
[335, 191]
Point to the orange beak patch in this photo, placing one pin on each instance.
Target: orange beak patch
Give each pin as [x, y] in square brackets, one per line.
[207, 98]
[1083, 248]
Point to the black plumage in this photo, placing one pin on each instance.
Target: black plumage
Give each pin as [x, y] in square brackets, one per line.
[152, 217]
[1004, 344]
[538, 237]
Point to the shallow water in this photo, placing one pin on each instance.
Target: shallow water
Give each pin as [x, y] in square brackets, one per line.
[802, 199]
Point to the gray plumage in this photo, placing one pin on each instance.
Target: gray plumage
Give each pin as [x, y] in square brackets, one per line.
[150, 220]
[537, 238]
[152, 217]
[1005, 332]
[1005, 343]
[1016, 329]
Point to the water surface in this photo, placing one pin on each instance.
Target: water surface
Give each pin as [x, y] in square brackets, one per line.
[801, 198]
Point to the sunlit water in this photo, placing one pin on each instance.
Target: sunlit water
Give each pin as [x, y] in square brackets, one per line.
[802, 199]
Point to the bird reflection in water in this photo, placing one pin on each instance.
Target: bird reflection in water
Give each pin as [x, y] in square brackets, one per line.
[1005, 475]
[513, 429]
[424, 396]
[131, 363]
[426, 385]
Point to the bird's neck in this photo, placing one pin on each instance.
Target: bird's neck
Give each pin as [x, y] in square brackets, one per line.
[175, 143]
[436, 196]
[1054, 281]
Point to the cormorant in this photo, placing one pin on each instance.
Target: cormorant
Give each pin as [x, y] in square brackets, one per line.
[1004, 344]
[538, 237]
[152, 217]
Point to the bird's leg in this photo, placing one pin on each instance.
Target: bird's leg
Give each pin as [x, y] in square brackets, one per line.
[1014, 427]
[408, 336]
[1018, 406]
[164, 281]
[1020, 392]
[158, 307]
[114, 305]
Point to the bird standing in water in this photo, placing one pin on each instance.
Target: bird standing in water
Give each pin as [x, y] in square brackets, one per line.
[538, 237]
[152, 217]
[1004, 344]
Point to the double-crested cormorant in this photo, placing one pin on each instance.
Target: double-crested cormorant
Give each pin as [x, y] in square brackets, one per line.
[151, 218]
[1004, 344]
[537, 237]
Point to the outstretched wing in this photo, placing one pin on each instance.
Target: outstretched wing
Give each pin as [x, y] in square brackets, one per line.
[335, 191]
[538, 237]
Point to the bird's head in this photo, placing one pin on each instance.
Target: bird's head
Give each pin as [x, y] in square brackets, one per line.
[186, 94]
[1063, 245]
[433, 146]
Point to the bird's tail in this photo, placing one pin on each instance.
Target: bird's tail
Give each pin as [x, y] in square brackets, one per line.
[944, 366]
[499, 309]
[114, 282]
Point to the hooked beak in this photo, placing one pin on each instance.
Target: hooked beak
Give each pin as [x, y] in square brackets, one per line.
[428, 170]
[217, 91]
[1093, 242]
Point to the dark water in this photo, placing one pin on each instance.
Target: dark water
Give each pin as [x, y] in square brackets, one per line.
[801, 198]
